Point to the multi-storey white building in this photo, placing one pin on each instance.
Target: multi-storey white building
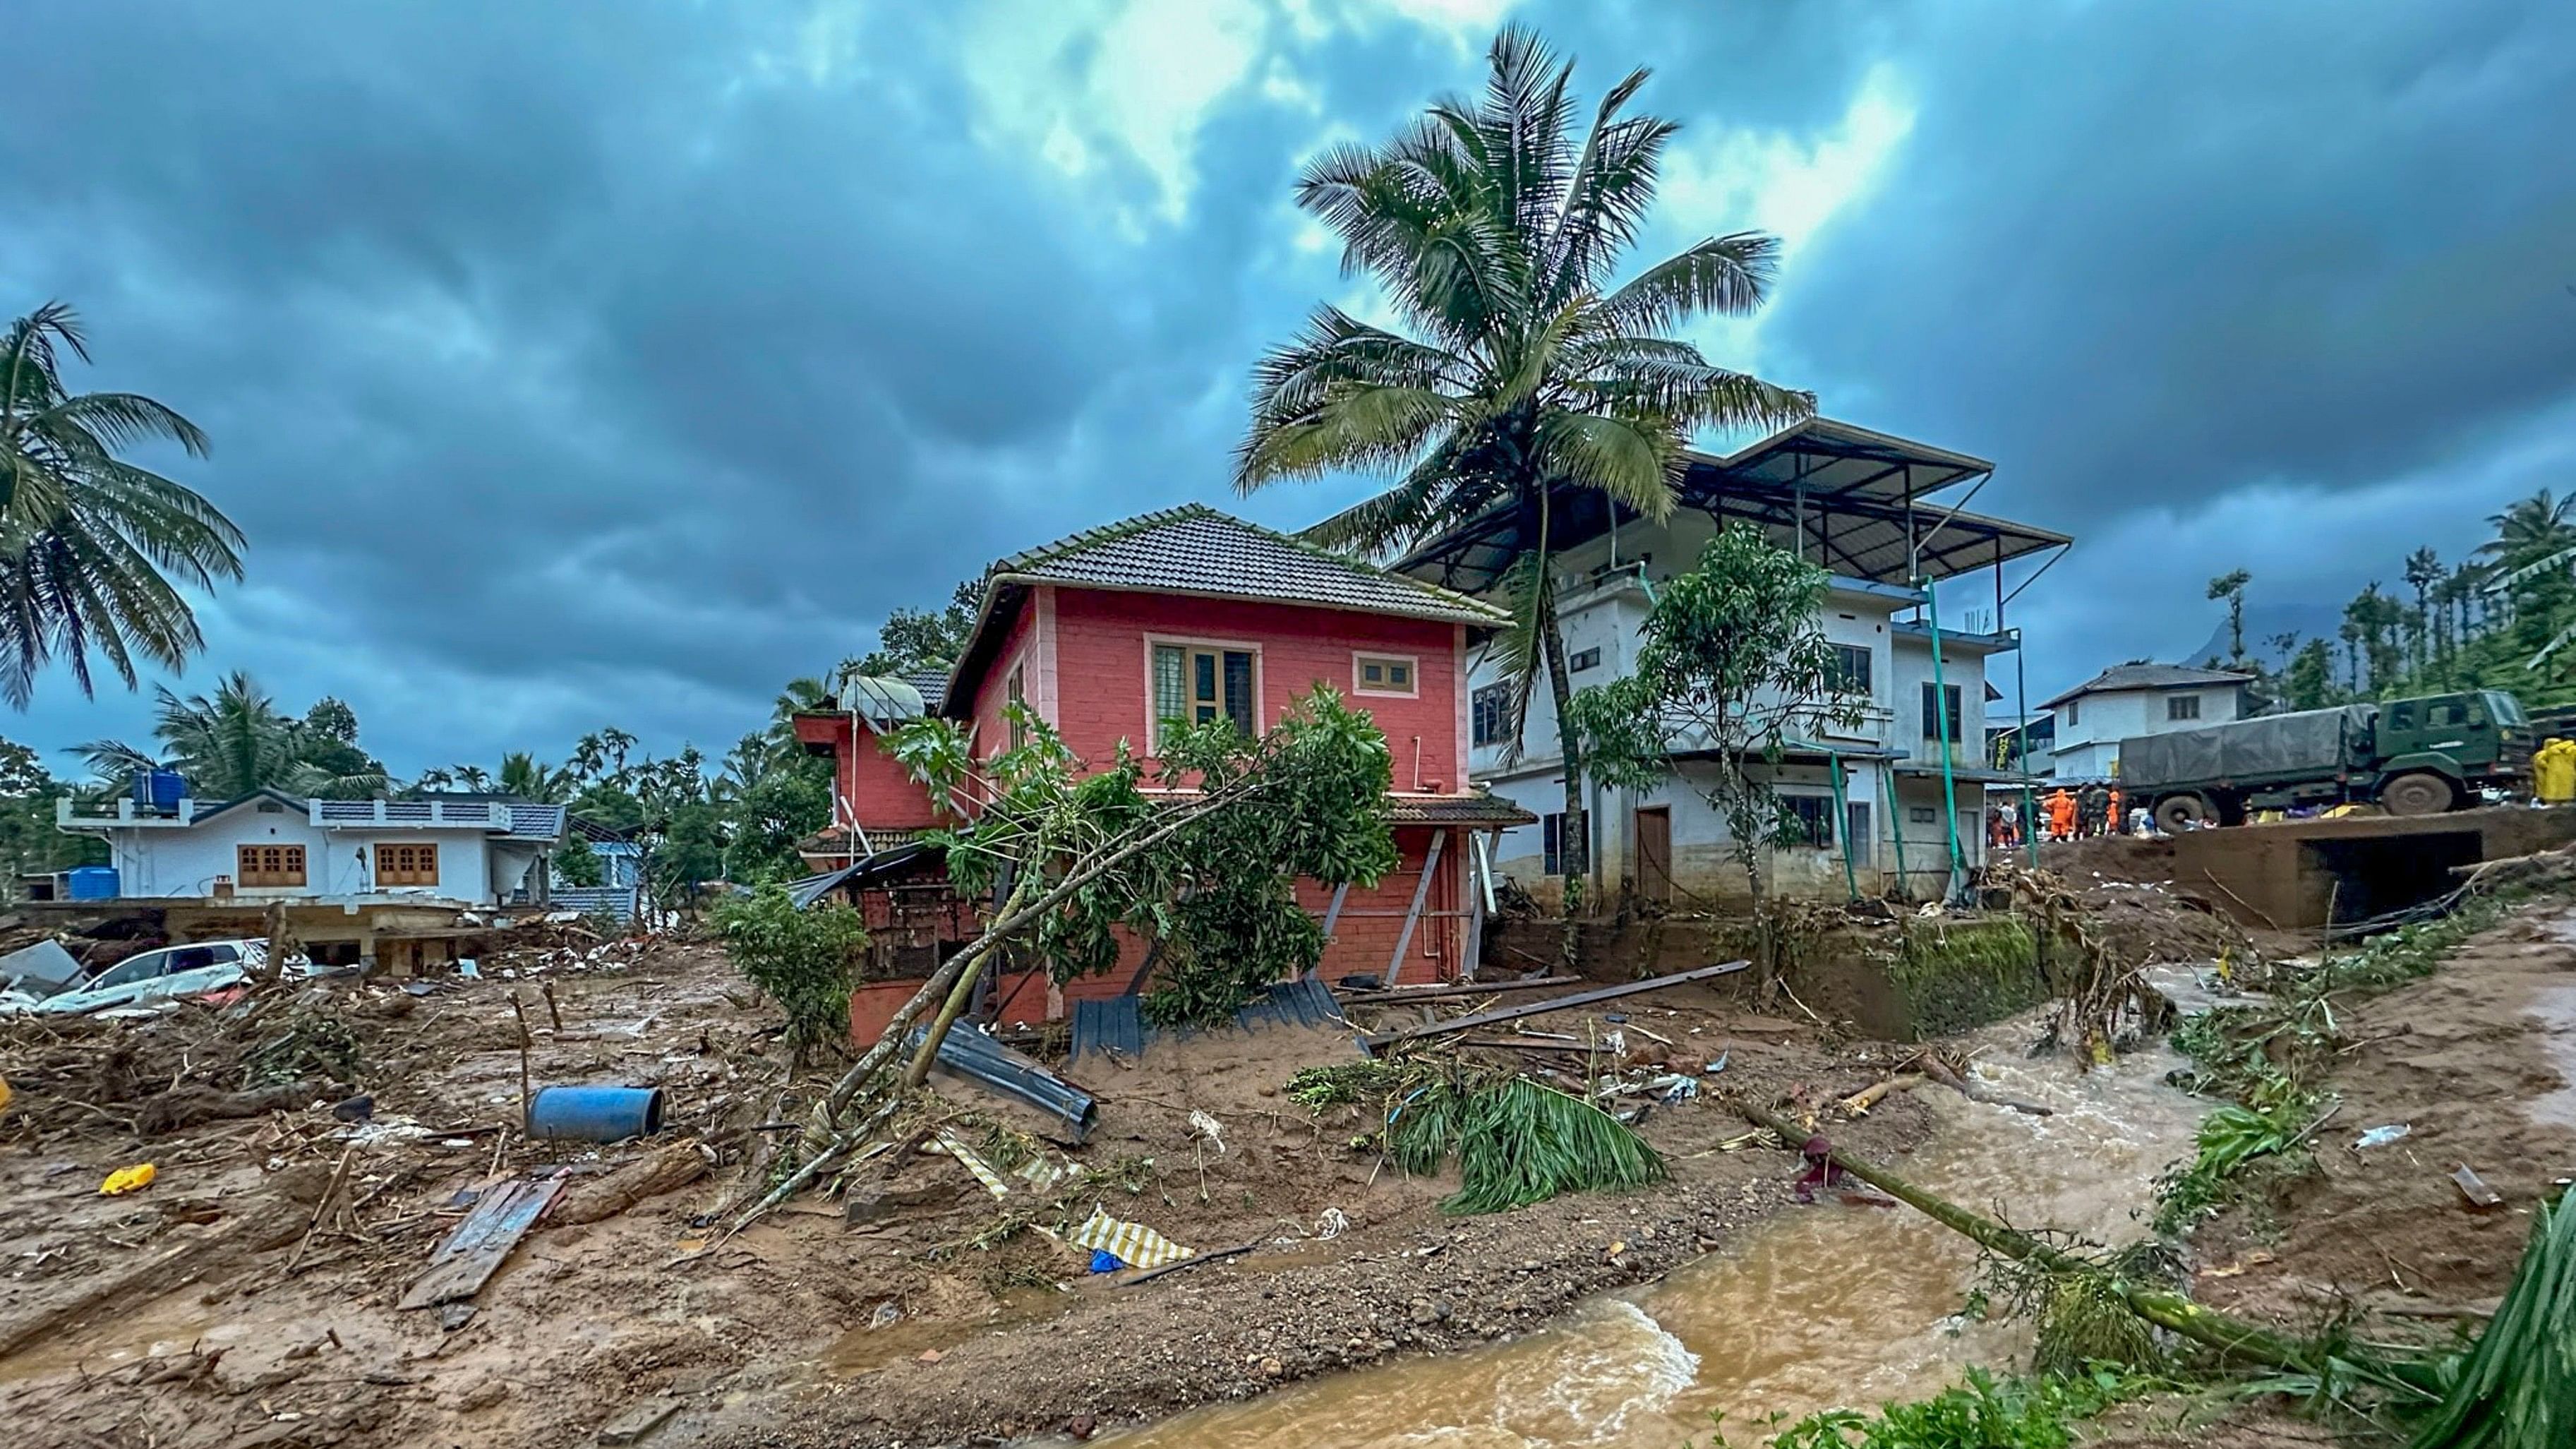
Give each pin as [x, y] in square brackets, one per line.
[2129, 700]
[1876, 796]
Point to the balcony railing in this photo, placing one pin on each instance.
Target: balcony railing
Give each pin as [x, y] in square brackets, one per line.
[478, 815]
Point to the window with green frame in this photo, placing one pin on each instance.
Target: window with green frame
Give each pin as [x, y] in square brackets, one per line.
[1197, 684]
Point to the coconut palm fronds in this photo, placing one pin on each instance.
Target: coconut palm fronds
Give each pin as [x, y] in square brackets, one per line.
[2516, 1389]
[1520, 1142]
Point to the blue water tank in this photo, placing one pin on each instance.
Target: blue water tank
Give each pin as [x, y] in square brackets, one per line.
[91, 882]
[167, 787]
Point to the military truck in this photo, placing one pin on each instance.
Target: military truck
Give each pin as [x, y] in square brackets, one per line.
[2410, 756]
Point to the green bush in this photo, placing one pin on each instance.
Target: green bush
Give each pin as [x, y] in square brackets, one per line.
[804, 960]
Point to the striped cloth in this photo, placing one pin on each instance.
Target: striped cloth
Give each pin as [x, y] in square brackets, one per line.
[983, 1170]
[1134, 1244]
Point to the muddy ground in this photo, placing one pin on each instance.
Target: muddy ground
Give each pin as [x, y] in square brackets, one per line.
[246, 1297]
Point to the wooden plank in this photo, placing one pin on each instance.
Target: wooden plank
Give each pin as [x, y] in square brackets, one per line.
[1413, 917]
[1444, 993]
[475, 1251]
[1555, 1003]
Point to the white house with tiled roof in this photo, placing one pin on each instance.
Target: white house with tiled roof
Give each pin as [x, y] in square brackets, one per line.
[2126, 701]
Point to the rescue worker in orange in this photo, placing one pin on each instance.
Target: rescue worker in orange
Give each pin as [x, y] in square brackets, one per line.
[2061, 815]
[2118, 821]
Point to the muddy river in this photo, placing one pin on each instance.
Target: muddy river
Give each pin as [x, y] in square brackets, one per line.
[1826, 1306]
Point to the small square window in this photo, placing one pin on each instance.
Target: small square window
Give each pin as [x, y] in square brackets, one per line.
[1815, 818]
[2182, 706]
[1584, 659]
[1923, 815]
[1382, 674]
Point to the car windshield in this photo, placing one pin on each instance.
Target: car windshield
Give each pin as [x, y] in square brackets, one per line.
[2508, 710]
[142, 968]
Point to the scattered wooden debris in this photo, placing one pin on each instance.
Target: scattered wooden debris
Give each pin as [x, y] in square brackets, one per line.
[474, 1252]
[1554, 1003]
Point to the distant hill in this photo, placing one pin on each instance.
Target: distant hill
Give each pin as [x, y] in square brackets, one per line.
[2262, 621]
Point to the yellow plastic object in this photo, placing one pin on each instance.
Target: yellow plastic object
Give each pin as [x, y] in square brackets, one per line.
[2553, 772]
[126, 1179]
[4, 1095]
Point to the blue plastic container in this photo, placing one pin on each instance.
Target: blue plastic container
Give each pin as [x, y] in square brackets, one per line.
[91, 882]
[595, 1114]
[159, 790]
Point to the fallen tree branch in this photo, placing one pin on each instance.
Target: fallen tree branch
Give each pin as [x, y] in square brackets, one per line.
[1976, 1091]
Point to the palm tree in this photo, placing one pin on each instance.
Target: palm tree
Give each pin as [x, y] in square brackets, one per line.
[614, 743]
[2424, 573]
[85, 537]
[231, 743]
[2531, 528]
[524, 776]
[474, 778]
[2231, 587]
[588, 758]
[1494, 233]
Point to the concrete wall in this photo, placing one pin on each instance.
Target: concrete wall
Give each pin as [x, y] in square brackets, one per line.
[184, 861]
[867, 780]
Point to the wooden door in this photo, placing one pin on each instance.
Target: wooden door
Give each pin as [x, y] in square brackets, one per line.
[1655, 853]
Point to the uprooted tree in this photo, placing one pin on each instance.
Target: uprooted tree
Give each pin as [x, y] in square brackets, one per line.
[1732, 661]
[1195, 856]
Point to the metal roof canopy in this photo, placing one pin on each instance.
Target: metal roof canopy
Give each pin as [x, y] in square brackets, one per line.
[1844, 497]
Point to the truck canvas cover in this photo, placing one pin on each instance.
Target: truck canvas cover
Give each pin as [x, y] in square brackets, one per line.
[2310, 742]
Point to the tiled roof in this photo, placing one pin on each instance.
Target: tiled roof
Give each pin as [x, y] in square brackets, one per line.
[1472, 809]
[933, 687]
[2148, 676]
[1194, 549]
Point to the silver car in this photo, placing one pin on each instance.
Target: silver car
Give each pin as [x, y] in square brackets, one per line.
[169, 973]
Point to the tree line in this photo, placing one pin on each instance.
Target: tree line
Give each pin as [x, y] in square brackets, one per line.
[2500, 618]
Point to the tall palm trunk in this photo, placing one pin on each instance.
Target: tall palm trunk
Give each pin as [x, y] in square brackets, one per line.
[1574, 837]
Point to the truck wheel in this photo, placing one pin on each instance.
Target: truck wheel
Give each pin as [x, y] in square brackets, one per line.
[2178, 813]
[2419, 793]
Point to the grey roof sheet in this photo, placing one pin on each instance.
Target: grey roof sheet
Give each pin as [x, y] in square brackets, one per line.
[1194, 549]
[2148, 676]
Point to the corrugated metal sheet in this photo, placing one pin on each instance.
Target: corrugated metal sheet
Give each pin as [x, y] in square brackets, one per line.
[617, 901]
[973, 1055]
[1118, 1025]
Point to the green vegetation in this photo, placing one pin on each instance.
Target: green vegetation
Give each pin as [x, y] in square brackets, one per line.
[1961, 974]
[2267, 1060]
[1493, 228]
[1517, 1141]
[2517, 1388]
[236, 740]
[1980, 1412]
[804, 960]
[89, 543]
[2501, 619]
[1206, 867]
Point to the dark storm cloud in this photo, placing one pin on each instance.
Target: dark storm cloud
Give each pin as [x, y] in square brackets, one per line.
[568, 371]
[2151, 259]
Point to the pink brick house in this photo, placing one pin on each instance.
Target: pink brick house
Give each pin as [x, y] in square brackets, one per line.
[1189, 613]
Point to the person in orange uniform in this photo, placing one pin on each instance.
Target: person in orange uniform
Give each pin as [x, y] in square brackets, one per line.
[2116, 820]
[2061, 815]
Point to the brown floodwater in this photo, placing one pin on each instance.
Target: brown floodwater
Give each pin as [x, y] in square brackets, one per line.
[1823, 1306]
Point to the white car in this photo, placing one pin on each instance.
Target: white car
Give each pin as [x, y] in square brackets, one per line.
[164, 975]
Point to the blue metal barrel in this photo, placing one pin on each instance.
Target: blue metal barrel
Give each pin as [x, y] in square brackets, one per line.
[595, 1114]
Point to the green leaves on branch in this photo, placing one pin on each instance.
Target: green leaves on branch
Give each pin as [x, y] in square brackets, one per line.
[804, 960]
[1517, 1141]
[1198, 851]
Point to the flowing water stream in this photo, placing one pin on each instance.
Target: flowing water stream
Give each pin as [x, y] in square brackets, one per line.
[1823, 1306]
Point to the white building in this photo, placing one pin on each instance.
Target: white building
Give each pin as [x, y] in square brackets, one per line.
[1878, 796]
[2129, 700]
[272, 845]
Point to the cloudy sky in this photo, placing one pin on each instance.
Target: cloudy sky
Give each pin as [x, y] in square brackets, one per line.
[574, 365]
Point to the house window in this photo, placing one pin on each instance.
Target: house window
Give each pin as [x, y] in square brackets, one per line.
[1851, 669]
[1015, 693]
[1383, 674]
[1551, 830]
[1814, 815]
[398, 865]
[1856, 831]
[1197, 685]
[1491, 709]
[2182, 706]
[1923, 815]
[1933, 724]
[268, 865]
[2066, 714]
[1584, 659]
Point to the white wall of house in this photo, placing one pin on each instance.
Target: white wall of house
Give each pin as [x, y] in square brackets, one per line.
[1606, 616]
[171, 860]
[2091, 726]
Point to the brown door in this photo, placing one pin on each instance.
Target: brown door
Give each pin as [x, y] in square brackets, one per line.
[1655, 854]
